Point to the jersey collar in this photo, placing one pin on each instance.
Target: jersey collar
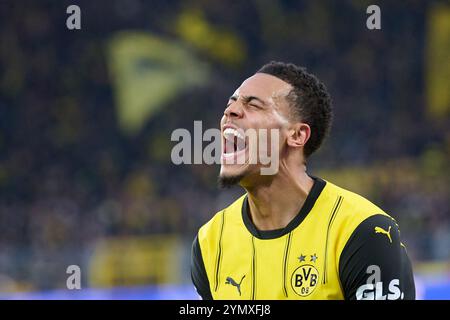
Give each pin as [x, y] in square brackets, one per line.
[315, 192]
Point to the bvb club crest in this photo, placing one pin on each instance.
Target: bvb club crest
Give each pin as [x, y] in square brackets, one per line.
[304, 280]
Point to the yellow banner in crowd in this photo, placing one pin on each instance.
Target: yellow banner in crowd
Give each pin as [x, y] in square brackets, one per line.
[148, 72]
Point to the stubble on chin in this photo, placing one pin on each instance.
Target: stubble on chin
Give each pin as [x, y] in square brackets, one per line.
[228, 181]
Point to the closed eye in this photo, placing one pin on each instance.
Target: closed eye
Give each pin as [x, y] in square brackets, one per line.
[253, 101]
[231, 100]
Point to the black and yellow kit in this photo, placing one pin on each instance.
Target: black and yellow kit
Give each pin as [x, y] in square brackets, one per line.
[339, 246]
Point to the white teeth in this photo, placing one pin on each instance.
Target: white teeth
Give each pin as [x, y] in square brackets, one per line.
[230, 133]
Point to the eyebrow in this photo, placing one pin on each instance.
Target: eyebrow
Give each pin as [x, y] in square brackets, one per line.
[247, 99]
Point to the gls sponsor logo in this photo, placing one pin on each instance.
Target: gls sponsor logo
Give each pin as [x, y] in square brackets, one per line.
[373, 289]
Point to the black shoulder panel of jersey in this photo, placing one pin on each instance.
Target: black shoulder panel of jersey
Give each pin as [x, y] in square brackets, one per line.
[374, 264]
[198, 272]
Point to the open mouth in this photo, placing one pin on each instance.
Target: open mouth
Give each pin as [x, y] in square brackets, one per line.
[234, 142]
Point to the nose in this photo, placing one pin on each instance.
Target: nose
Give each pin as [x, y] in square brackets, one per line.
[234, 110]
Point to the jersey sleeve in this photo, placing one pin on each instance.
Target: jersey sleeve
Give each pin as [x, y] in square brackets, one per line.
[198, 272]
[374, 264]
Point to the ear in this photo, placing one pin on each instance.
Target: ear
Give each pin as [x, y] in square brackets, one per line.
[298, 135]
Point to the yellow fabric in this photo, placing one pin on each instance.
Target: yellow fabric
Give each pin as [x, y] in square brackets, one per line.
[148, 72]
[437, 72]
[271, 268]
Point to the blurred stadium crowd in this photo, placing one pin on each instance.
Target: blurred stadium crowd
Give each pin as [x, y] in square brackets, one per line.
[85, 156]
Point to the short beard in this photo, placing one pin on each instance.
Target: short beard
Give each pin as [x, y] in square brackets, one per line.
[229, 181]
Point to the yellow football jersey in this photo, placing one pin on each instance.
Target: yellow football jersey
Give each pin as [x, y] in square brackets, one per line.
[339, 246]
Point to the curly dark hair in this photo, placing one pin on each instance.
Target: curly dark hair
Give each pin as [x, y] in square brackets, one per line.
[309, 98]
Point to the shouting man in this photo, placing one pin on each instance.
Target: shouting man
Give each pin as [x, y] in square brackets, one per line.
[292, 235]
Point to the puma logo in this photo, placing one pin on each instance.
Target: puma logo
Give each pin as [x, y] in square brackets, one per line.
[231, 281]
[387, 233]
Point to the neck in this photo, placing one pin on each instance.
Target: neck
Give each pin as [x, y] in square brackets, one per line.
[275, 203]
